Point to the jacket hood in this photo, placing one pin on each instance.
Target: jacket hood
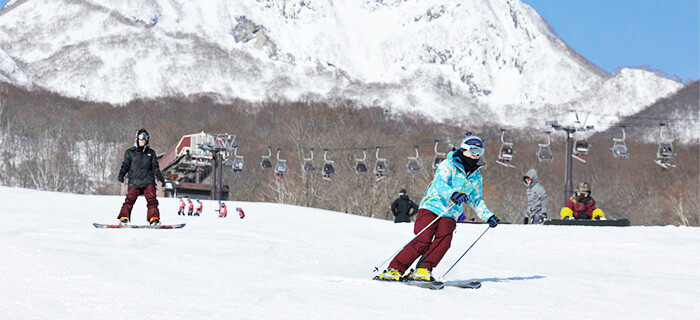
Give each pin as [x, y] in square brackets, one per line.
[532, 174]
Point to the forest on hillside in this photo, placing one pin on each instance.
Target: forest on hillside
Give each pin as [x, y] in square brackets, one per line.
[49, 142]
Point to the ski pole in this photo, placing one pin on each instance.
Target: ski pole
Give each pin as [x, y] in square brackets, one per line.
[419, 233]
[465, 252]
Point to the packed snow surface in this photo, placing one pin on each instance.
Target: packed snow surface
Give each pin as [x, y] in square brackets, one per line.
[287, 262]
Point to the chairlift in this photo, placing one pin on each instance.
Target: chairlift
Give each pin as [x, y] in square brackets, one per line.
[544, 153]
[619, 148]
[581, 148]
[361, 164]
[308, 163]
[665, 153]
[505, 156]
[328, 166]
[380, 167]
[266, 162]
[280, 166]
[439, 156]
[413, 166]
[238, 164]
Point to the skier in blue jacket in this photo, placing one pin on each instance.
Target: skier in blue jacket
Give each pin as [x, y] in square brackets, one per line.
[457, 181]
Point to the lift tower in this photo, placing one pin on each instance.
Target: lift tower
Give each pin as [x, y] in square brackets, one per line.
[220, 149]
[570, 126]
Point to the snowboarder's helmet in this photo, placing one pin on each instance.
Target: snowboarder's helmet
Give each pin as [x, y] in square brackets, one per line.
[402, 192]
[584, 187]
[473, 143]
[197, 199]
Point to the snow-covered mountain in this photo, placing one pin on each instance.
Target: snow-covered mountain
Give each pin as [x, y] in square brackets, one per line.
[497, 58]
[288, 262]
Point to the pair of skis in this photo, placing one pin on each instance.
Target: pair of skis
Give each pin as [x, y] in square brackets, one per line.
[438, 285]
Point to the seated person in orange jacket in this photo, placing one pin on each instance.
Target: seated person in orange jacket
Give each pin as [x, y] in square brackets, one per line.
[581, 205]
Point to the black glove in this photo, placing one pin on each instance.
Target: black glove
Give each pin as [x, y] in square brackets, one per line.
[526, 220]
[493, 221]
[459, 197]
[120, 178]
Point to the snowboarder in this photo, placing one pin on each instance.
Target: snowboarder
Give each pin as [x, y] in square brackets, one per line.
[537, 201]
[403, 208]
[222, 209]
[457, 180]
[142, 168]
[200, 207]
[240, 213]
[190, 206]
[581, 205]
[181, 210]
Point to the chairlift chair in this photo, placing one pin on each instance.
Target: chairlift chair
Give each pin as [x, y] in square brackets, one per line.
[308, 163]
[266, 162]
[544, 153]
[328, 166]
[439, 156]
[280, 166]
[619, 148]
[665, 153]
[238, 164]
[581, 148]
[361, 164]
[505, 155]
[380, 168]
[413, 166]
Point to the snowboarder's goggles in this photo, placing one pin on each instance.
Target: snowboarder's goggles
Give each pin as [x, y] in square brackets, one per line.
[475, 150]
[143, 137]
[581, 193]
[527, 179]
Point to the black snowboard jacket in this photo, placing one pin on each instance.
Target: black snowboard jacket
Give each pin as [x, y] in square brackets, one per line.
[401, 207]
[142, 166]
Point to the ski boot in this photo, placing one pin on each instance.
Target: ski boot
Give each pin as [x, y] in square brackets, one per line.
[390, 274]
[123, 221]
[155, 221]
[421, 274]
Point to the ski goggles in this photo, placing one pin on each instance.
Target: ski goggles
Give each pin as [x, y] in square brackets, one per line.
[474, 150]
[143, 137]
[527, 179]
[581, 193]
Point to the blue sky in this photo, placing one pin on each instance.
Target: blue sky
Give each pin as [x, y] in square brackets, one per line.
[614, 33]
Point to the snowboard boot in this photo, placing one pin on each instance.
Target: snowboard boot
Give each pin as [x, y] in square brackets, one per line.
[155, 221]
[421, 274]
[123, 221]
[390, 274]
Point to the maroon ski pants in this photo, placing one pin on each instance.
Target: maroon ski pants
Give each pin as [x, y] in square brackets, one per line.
[432, 244]
[149, 193]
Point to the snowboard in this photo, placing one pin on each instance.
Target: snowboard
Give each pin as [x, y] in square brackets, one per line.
[586, 222]
[135, 226]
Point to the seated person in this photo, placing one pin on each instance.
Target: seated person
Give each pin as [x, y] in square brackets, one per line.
[581, 205]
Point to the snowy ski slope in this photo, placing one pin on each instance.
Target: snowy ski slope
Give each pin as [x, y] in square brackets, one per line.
[287, 262]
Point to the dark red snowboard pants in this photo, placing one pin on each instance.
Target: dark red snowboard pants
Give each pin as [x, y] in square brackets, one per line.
[149, 193]
[432, 244]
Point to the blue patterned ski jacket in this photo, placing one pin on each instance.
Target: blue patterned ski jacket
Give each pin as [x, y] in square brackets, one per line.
[451, 177]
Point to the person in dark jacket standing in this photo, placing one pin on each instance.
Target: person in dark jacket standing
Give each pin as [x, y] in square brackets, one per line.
[537, 201]
[142, 168]
[401, 207]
